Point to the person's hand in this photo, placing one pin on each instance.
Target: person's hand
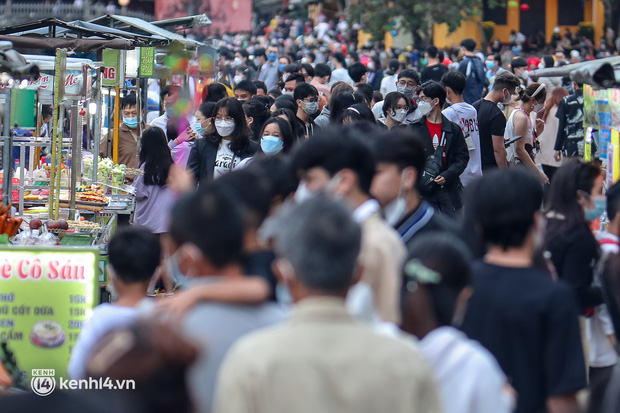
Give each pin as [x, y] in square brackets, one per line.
[183, 137]
[540, 126]
[192, 134]
[558, 156]
[544, 178]
[177, 306]
[180, 180]
[440, 180]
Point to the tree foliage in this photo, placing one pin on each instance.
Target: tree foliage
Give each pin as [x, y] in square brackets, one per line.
[416, 17]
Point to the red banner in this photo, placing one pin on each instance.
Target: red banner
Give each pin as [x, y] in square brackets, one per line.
[229, 16]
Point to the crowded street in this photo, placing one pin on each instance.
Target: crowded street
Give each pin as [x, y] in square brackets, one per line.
[332, 206]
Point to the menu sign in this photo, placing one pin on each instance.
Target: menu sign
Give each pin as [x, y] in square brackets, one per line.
[46, 295]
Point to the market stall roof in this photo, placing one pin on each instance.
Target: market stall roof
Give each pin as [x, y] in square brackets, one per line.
[77, 45]
[79, 29]
[184, 23]
[135, 25]
[600, 73]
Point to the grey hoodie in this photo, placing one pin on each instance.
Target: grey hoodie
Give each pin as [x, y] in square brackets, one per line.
[323, 119]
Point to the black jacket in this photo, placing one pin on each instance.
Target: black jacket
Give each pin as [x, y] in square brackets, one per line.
[202, 158]
[457, 157]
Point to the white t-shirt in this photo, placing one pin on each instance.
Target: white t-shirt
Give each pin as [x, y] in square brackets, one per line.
[340, 74]
[466, 116]
[468, 377]
[105, 319]
[225, 160]
[388, 84]
[600, 326]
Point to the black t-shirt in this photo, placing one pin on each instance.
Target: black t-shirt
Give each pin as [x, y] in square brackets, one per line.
[530, 324]
[491, 121]
[258, 263]
[434, 72]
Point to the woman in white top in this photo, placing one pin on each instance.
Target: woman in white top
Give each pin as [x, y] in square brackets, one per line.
[547, 138]
[531, 99]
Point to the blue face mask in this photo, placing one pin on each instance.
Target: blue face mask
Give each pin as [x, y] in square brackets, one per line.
[281, 68]
[198, 128]
[131, 122]
[490, 65]
[600, 206]
[271, 145]
[272, 57]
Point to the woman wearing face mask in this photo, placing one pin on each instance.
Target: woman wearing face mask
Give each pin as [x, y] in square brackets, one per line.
[276, 137]
[531, 99]
[181, 135]
[575, 198]
[225, 146]
[395, 109]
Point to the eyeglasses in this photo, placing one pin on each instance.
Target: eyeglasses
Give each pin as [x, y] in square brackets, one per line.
[425, 98]
[310, 100]
[404, 83]
[226, 118]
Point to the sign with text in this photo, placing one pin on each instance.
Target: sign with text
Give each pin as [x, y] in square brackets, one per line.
[46, 294]
[147, 62]
[112, 75]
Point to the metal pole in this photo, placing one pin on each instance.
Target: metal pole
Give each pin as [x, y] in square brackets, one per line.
[139, 109]
[98, 119]
[117, 124]
[75, 158]
[8, 151]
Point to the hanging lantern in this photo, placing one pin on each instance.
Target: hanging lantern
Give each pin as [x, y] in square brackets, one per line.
[525, 7]
[513, 4]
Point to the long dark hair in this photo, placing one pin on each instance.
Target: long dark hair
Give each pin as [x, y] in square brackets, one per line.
[286, 133]
[156, 157]
[259, 113]
[240, 138]
[563, 211]
[298, 130]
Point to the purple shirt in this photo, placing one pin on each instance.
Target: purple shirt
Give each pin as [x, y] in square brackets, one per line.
[153, 205]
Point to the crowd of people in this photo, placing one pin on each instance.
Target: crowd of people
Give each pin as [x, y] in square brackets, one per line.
[345, 232]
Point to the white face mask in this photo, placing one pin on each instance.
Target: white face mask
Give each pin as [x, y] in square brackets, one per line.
[395, 210]
[424, 107]
[238, 78]
[538, 107]
[507, 99]
[303, 193]
[237, 61]
[399, 115]
[224, 127]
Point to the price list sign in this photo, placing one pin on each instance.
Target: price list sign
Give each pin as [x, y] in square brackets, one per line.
[46, 295]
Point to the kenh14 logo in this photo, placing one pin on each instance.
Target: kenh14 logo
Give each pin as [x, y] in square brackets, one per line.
[43, 382]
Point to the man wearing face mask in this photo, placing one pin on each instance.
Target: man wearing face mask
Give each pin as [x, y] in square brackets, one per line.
[519, 68]
[307, 98]
[207, 235]
[492, 123]
[444, 145]
[269, 70]
[338, 162]
[408, 81]
[400, 162]
[167, 98]
[129, 134]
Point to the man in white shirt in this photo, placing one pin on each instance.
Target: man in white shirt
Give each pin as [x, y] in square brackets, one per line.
[167, 98]
[599, 327]
[340, 73]
[388, 83]
[436, 287]
[466, 116]
[134, 255]
[338, 162]
[322, 360]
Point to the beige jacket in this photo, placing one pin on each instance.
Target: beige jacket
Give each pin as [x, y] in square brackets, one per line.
[322, 361]
[383, 254]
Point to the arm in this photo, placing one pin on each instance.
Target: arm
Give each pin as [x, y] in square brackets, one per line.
[499, 150]
[563, 404]
[561, 136]
[459, 157]
[245, 290]
[577, 272]
[521, 126]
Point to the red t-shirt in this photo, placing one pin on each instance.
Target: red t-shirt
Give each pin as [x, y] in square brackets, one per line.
[435, 130]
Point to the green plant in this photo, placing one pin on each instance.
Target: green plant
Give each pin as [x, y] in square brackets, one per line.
[488, 29]
[586, 29]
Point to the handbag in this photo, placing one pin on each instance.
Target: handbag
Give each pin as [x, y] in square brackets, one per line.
[433, 167]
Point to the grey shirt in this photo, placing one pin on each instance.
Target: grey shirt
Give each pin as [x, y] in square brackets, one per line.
[215, 327]
[269, 74]
[323, 119]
